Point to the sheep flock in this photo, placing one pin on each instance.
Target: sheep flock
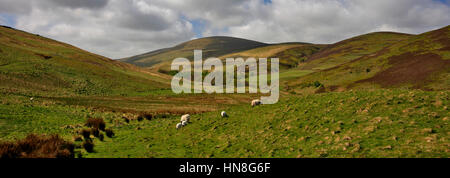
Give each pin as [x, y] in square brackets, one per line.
[185, 119]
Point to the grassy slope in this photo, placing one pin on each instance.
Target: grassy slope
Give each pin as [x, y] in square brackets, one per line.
[351, 49]
[419, 61]
[379, 123]
[355, 124]
[33, 65]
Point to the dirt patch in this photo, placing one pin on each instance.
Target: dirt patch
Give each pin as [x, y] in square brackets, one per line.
[410, 69]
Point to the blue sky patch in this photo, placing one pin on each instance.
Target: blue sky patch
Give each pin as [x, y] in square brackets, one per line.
[7, 19]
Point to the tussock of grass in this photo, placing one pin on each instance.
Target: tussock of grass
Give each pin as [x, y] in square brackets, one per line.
[96, 123]
[109, 132]
[37, 146]
[88, 145]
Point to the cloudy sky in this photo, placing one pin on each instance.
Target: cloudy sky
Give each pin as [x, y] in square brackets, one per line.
[121, 28]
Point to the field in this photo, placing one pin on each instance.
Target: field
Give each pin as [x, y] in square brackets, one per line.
[379, 123]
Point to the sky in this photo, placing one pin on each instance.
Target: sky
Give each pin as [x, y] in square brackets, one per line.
[123, 28]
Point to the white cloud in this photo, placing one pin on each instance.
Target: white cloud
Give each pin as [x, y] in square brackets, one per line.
[329, 21]
[116, 29]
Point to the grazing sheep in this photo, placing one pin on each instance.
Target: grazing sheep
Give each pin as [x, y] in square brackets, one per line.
[31, 99]
[179, 125]
[224, 114]
[256, 102]
[184, 123]
[185, 117]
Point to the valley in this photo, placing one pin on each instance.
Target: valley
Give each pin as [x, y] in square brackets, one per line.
[376, 95]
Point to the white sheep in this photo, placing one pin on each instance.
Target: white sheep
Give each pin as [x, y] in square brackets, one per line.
[179, 125]
[256, 102]
[31, 99]
[224, 114]
[184, 123]
[185, 117]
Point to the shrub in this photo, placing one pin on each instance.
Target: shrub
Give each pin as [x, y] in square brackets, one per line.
[97, 123]
[317, 84]
[77, 138]
[148, 116]
[86, 133]
[163, 116]
[95, 132]
[140, 118]
[145, 116]
[126, 119]
[88, 145]
[38, 146]
[101, 137]
[109, 132]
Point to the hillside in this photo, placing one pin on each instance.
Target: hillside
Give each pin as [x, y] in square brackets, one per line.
[34, 65]
[211, 46]
[350, 49]
[413, 61]
[290, 54]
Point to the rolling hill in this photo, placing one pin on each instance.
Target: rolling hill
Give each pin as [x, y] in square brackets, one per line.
[413, 61]
[34, 65]
[359, 61]
[350, 49]
[211, 46]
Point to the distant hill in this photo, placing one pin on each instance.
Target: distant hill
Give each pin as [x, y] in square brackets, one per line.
[211, 46]
[31, 64]
[34, 65]
[374, 60]
[290, 54]
[382, 60]
[347, 50]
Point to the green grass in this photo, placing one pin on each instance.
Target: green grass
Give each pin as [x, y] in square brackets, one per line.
[34, 65]
[301, 127]
[380, 123]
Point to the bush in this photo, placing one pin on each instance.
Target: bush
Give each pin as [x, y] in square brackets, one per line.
[77, 138]
[163, 116]
[146, 116]
[126, 119]
[95, 132]
[38, 146]
[101, 137]
[140, 118]
[97, 123]
[109, 132]
[88, 145]
[86, 133]
[317, 84]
